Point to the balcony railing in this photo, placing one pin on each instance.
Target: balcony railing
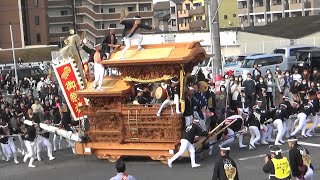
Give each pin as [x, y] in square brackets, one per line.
[277, 7]
[245, 10]
[62, 19]
[197, 24]
[198, 10]
[113, 16]
[293, 6]
[183, 14]
[59, 3]
[184, 26]
[258, 9]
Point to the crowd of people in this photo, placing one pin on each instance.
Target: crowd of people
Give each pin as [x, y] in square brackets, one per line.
[45, 106]
[280, 103]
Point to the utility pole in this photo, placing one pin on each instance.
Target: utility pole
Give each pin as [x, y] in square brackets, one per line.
[215, 37]
[13, 54]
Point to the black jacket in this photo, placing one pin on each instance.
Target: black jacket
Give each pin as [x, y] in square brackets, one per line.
[296, 163]
[193, 130]
[219, 171]
[89, 51]
[188, 107]
[250, 87]
[128, 25]
[31, 132]
[106, 41]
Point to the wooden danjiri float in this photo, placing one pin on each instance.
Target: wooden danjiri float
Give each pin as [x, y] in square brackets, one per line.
[118, 126]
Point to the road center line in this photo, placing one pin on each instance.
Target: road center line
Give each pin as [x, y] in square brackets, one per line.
[257, 156]
[308, 144]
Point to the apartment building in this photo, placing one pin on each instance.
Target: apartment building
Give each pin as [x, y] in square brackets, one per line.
[193, 16]
[95, 16]
[228, 16]
[29, 23]
[61, 19]
[261, 12]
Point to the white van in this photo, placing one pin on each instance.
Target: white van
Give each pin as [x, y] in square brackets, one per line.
[290, 53]
[266, 61]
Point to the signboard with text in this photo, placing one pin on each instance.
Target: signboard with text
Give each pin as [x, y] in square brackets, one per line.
[70, 84]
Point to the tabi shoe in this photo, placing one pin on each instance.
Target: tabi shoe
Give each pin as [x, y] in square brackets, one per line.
[8, 159]
[281, 141]
[309, 135]
[243, 146]
[264, 142]
[99, 89]
[16, 162]
[39, 159]
[31, 166]
[257, 143]
[251, 146]
[195, 165]
[277, 144]
[93, 87]
[304, 135]
[52, 158]
[178, 112]
[140, 48]
[169, 163]
[158, 114]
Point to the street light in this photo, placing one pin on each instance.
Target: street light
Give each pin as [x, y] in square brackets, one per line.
[61, 37]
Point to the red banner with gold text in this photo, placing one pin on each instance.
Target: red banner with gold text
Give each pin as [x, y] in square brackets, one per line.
[69, 84]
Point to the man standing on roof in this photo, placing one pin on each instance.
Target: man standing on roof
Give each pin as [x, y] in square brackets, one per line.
[109, 44]
[130, 32]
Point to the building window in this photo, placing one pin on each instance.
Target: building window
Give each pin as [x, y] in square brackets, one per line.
[234, 15]
[37, 20]
[101, 10]
[173, 10]
[102, 26]
[38, 38]
[146, 23]
[197, 4]
[143, 8]
[130, 9]
[112, 10]
[65, 29]
[198, 18]
[35, 3]
[174, 22]
[64, 13]
[113, 26]
[187, 6]
[225, 17]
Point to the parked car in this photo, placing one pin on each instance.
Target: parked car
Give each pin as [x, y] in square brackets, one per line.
[266, 61]
[290, 53]
[308, 59]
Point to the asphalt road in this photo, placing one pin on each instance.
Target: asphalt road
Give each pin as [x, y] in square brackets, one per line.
[72, 167]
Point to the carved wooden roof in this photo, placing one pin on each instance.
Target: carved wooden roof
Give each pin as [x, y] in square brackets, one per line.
[171, 53]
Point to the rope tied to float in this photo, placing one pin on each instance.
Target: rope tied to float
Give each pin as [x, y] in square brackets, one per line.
[164, 77]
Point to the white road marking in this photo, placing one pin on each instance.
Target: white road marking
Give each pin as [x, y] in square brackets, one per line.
[257, 156]
[308, 144]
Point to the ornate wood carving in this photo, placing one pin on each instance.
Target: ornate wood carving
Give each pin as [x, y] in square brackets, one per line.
[150, 72]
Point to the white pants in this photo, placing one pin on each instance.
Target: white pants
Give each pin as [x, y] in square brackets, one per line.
[302, 119]
[9, 149]
[55, 136]
[184, 145]
[269, 132]
[42, 141]
[309, 174]
[168, 102]
[188, 120]
[127, 42]
[255, 134]
[98, 75]
[231, 139]
[315, 122]
[30, 151]
[278, 124]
